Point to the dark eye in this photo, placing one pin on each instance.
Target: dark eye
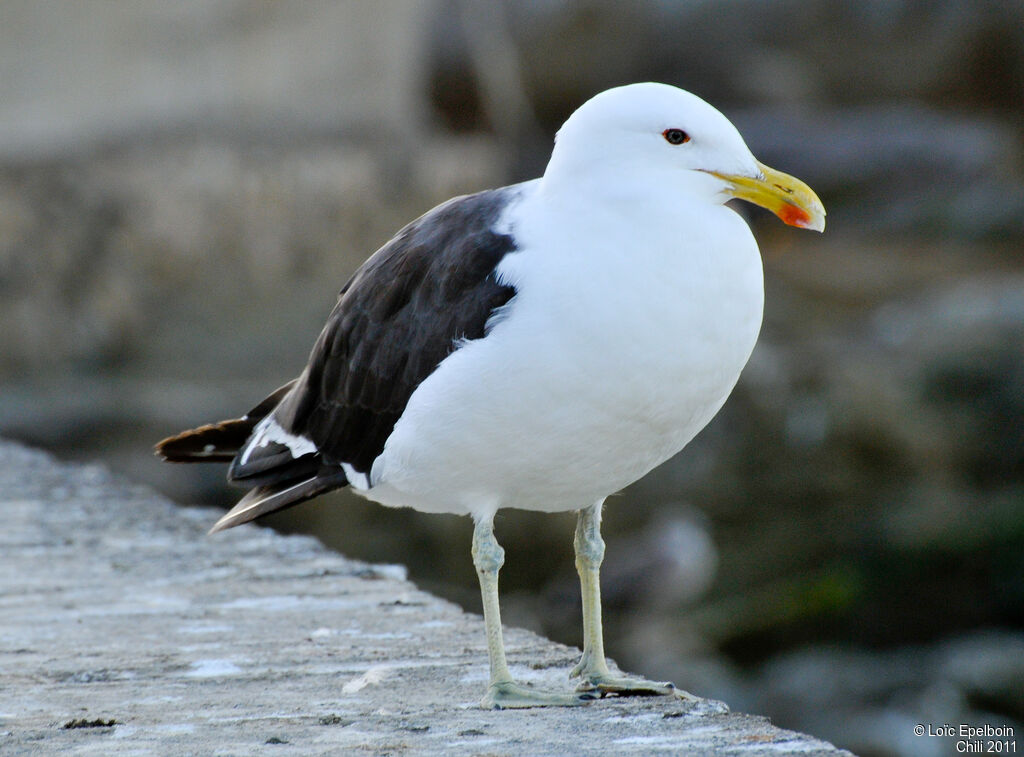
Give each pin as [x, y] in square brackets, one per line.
[675, 136]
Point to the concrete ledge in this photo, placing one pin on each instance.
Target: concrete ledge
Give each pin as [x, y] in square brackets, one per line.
[124, 630]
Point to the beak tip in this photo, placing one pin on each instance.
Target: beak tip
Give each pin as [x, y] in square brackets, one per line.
[802, 216]
[815, 224]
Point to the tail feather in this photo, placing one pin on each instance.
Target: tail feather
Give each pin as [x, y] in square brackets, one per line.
[264, 500]
[218, 442]
[214, 443]
[278, 479]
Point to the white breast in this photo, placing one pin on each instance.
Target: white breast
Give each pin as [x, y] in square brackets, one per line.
[623, 341]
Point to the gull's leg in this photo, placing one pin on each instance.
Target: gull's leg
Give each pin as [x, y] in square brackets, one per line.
[592, 667]
[488, 557]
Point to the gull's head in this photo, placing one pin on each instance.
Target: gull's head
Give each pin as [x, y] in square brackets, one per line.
[667, 137]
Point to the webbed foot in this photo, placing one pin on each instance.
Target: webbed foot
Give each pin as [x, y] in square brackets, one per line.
[625, 686]
[507, 695]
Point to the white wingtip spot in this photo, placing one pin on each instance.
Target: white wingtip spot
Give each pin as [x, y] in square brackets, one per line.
[269, 431]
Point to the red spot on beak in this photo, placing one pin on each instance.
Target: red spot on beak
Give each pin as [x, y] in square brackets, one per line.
[794, 216]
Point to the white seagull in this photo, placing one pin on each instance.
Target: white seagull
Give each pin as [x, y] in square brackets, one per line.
[538, 346]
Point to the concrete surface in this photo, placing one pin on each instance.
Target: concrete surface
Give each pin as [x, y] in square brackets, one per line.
[125, 631]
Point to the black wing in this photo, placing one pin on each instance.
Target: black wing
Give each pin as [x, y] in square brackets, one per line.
[405, 310]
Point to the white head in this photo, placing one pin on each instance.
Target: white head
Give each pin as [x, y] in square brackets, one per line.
[671, 138]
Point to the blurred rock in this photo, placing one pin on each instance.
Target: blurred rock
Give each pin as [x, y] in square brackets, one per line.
[671, 561]
[899, 167]
[870, 702]
[79, 76]
[965, 55]
[988, 668]
[905, 116]
[107, 260]
[897, 439]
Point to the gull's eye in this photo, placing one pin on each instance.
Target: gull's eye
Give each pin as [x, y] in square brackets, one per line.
[675, 136]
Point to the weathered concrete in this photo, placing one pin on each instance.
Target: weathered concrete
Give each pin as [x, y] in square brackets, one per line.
[124, 630]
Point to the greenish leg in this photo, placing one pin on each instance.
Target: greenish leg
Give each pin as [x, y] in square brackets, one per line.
[488, 557]
[592, 668]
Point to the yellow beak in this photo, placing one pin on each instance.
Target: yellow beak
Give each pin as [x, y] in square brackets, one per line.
[784, 195]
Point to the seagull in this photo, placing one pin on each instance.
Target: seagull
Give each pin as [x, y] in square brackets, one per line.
[537, 346]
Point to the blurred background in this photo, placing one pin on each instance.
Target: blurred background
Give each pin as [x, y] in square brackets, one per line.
[185, 186]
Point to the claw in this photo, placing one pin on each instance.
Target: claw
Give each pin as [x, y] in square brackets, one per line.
[635, 687]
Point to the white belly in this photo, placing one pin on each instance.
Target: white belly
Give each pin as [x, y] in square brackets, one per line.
[590, 381]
